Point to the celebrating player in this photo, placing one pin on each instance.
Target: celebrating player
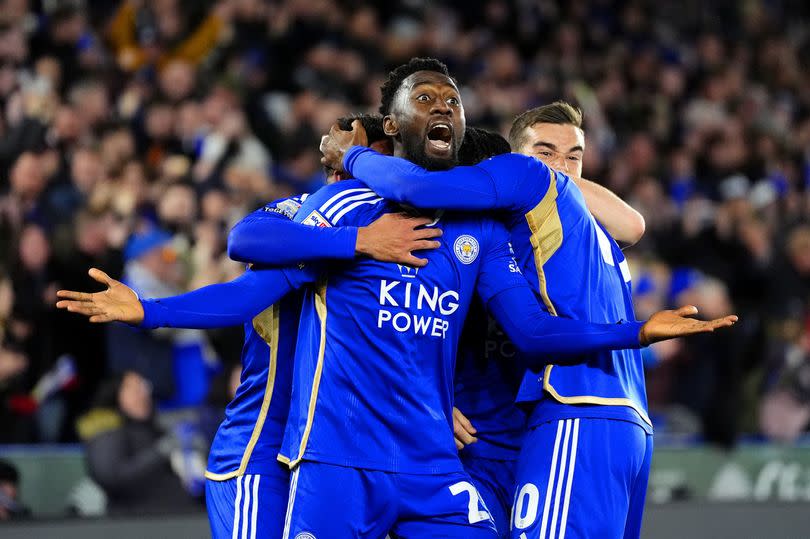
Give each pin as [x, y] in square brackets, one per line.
[579, 272]
[489, 425]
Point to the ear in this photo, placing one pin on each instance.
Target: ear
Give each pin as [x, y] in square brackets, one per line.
[390, 125]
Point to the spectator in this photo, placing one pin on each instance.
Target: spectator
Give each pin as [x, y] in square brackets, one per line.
[178, 363]
[128, 454]
[10, 506]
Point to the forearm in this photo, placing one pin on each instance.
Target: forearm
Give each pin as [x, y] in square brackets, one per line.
[399, 180]
[219, 305]
[542, 338]
[622, 222]
[268, 238]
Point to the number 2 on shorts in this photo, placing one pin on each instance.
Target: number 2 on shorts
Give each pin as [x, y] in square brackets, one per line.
[474, 514]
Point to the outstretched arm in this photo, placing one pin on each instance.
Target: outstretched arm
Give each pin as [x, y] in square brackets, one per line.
[218, 305]
[543, 338]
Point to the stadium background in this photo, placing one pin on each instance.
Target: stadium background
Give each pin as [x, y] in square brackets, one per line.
[117, 116]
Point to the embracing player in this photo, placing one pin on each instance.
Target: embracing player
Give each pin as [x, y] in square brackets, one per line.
[489, 425]
[579, 272]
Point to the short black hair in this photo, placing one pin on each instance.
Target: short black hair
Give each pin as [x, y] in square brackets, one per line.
[480, 144]
[395, 78]
[372, 123]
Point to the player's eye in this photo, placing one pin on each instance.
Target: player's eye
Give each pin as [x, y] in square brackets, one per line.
[453, 101]
[545, 154]
[574, 157]
[424, 98]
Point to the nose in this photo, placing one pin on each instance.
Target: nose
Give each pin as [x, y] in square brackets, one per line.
[440, 106]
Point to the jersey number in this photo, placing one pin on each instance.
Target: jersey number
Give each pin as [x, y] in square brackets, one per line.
[474, 514]
[527, 499]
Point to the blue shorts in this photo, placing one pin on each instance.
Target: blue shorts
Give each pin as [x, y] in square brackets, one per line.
[337, 501]
[249, 506]
[582, 478]
[495, 481]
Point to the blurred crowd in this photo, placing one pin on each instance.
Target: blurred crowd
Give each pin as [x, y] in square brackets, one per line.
[134, 134]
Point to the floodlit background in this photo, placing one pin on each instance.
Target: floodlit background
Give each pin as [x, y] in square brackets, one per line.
[116, 116]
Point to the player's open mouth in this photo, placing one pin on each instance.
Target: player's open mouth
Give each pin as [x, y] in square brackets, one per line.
[440, 136]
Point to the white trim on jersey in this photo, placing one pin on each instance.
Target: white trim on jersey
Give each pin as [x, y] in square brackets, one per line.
[346, 210]
[335, 198]
[344, 201]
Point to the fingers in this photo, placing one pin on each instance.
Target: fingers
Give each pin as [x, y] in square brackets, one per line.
[726, 321]
[462, 428]
[424, 245]
[463, 421]
[357, 125]
[465, 437]
[79, 307]
[427, 233]
[413, 261]
[101, 277]
[459, 444]
[687, 310]
[72, 295]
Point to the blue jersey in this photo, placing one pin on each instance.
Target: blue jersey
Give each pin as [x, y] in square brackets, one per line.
[249, 439]
[574, 265]
[373, 384]
[487, 379]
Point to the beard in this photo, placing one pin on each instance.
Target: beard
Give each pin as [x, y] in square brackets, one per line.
[414, 149]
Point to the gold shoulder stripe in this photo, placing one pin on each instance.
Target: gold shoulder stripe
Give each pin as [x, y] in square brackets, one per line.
[547, 236]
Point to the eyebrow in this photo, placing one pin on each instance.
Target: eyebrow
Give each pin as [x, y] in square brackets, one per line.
[553, 147]
[431, 83]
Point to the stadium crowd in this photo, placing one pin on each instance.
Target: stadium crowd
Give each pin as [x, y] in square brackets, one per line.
[134, 134]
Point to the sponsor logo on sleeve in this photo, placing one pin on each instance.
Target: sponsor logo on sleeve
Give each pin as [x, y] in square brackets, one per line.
[287, 208]
[316, 219]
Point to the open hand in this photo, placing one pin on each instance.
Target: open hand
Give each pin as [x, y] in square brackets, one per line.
[394, 236]
[665, 325]
[117, 303]
[335, 145]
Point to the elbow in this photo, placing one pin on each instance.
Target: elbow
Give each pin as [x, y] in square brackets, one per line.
[234, 246]
[636, 228]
